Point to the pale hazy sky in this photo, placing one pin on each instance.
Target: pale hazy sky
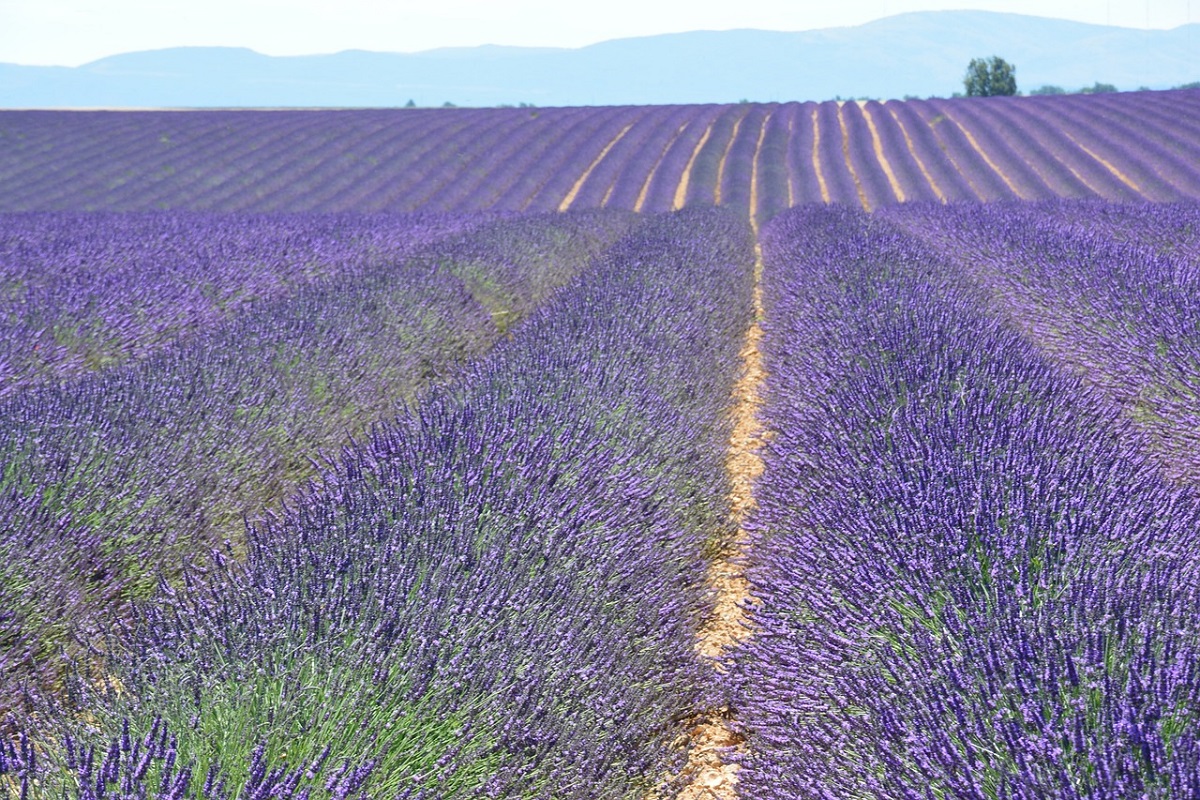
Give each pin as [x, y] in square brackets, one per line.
[73, 32]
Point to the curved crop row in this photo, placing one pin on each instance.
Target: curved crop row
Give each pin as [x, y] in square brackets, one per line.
[868, 171]
[969, 585]
[1057, 160]
[1078, 280]
[544, 159]
[1130, 153]
[496, 595]
[932, 156]
[108, 479]
[901, 158]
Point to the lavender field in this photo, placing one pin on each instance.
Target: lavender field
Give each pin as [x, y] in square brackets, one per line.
[750, 451]
[1124, 147]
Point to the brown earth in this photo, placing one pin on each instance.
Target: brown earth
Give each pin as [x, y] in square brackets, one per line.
[682, 189]
[710, 737]
[920, 164]
[862, 195]
[877, 144]
[983, 154]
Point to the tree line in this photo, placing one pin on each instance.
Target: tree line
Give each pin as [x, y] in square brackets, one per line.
[995, 77]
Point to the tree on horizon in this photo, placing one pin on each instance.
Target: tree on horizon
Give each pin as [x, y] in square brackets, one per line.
[990, 77]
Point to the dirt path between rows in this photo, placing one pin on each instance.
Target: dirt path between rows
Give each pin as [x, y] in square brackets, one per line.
[983, 154]
[709, 736]
[681, 191]
[912, 150]
[862, 194]
[881, 156]
[565, 205]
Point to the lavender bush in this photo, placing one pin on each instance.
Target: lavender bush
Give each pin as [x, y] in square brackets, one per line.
[496, 595]
[971, 585]
[115, 476]
[1109, 291]
[87, 291]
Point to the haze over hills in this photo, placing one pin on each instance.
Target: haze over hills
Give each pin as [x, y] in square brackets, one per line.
[922, 54]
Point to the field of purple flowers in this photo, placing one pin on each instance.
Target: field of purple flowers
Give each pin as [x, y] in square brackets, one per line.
[116, 472]
[977, 580]
[1122, 147]
[389, 454]
[492, 589]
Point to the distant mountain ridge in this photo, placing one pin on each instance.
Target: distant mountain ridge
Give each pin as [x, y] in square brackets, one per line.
[920, 53]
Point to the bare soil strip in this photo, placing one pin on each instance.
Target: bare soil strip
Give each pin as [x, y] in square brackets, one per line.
[565, 205]
[816, 158]
[788, 161]
[983, 154]
[608, 194]
[682, 189]
[862, 195]
[641, 199]
[966, 176]
[1121, 176]
[877, 144]
[754, 191]
[728, 624]
[708, 736]
[737, 126]
[941, 196]
[1078, 176]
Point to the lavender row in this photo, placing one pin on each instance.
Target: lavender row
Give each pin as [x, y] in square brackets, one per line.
[970, 585]
[937, 157]
[900, 155]
[635, 161]
[550, 159]
[840, 182]
[738, 162]
[1003, 150]
[112, 478]
[1080, 283]
[1171, 229]
[775, 192]
[861, 158]
[970, 162]
[1147, 169]
[86, 291]
[804, 185]
[677, 169]
[497, 595]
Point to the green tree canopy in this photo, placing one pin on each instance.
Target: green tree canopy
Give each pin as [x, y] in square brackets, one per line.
[990, 77]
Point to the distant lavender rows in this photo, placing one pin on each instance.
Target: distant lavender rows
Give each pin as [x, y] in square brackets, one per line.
[112, 476]
[975, 580]
[495, 595]
[1122, 147]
